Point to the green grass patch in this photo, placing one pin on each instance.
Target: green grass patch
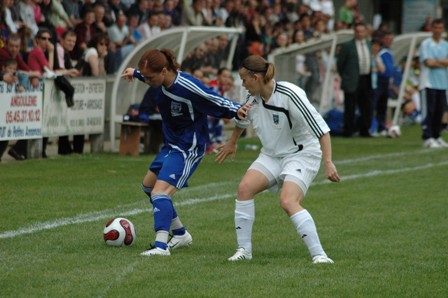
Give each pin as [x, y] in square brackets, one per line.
[384, 225]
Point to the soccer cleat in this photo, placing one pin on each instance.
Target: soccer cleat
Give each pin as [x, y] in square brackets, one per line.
[431, 143]
[178, 241]
[156, 251]
[322, 260]
[442, 142]
[240, 254]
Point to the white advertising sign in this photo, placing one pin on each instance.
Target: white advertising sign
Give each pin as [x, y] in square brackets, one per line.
[85, 117]
[20, 113]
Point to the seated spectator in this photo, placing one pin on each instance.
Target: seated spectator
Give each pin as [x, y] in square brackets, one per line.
[73, 9]
[84, 32]
[122, 39]
[151, 27]
[411, 97]
[56, 16]
[27, 16]
[192, 13]
[195, 60]
[140, 9]
[173, 11]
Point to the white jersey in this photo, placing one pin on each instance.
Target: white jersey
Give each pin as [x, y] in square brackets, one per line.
[287, 123]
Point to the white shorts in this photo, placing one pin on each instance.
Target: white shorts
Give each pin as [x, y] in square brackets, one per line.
[300, 168]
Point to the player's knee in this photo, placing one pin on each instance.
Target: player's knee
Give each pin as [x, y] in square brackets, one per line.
[289, 203]
[245, 191]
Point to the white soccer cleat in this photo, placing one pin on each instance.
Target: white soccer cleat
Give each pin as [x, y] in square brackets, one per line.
[178, 241]
[322, 260]
[431, 143]
[442, 142]
[156, 251]
[241, 254]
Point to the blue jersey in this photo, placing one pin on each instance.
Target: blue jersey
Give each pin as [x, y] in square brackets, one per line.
[184, 107]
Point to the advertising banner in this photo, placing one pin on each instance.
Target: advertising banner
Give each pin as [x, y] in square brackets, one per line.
[20, 113]
[85, 117]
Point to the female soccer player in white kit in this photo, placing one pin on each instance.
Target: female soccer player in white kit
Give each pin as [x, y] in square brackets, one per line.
[294, 139]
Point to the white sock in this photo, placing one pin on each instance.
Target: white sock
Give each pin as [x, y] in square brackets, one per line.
[176, 223]
[244, 220]
[306, 228]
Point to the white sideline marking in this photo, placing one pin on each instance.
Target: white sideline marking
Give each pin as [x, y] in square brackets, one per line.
[94, 216]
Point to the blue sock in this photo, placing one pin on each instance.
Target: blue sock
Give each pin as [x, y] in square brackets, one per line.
[163, 212]
[161, 245]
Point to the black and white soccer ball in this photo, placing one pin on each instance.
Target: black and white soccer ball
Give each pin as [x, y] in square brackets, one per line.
[119, 232]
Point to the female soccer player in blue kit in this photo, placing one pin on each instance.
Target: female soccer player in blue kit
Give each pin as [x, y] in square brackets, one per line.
[184, 103]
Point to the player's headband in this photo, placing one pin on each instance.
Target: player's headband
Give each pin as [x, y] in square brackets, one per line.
[266, 65]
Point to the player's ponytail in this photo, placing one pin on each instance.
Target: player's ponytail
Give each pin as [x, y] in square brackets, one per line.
[155, 60]
[258, 64]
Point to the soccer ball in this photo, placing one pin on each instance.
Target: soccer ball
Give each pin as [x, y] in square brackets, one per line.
[394, 131]
[119, 232]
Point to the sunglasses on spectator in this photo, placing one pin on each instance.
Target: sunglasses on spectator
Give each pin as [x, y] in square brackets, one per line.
[44, 38]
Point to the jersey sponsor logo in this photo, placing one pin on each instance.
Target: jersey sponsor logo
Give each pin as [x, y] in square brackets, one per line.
[176, 109]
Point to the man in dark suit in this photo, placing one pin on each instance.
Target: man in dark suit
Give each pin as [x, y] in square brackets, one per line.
[354, 66]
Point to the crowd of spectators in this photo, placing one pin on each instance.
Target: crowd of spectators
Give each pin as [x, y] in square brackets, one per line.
[106, 31]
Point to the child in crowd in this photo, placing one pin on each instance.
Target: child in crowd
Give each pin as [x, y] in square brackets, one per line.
[10, 66]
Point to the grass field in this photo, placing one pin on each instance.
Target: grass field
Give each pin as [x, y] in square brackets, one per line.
[385, 225]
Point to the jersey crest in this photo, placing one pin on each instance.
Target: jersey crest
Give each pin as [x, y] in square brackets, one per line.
[176, 109]
[275, 118]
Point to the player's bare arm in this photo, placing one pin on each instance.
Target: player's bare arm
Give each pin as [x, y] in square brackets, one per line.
[128, 74]
[229, 148]
[330, 169]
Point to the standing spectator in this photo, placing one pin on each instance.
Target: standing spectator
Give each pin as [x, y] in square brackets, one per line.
[84, 32]
[41, 59]
[434, 84]
[384, 83]
[377, 67]
[63, 65]
[42, 55]
[92, 65]
[12, 51]
[354, 68]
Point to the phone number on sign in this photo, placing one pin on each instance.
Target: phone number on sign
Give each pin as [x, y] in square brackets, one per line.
[13, 117]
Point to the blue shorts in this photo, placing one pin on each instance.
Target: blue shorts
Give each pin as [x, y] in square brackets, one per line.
[175, 166]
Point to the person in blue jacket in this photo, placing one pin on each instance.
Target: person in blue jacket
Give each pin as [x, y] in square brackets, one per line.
[184, 104]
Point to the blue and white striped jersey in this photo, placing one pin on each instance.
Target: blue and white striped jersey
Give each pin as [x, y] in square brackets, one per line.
[184, 107]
